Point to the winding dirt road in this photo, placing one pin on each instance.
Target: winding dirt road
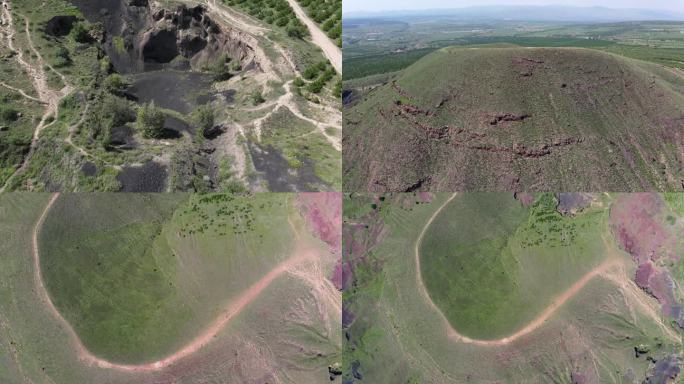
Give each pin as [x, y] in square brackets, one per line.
[300, 257]
[330, 50]
[599, 271]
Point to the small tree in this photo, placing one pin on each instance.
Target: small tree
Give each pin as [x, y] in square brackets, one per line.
[204, 120]
[80, 33]
[151, 121]
[115, 84]
[257, 98]
[222, 68]
[297, 31]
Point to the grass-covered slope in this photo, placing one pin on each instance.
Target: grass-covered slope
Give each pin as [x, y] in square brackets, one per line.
[519, 118]
[619, 325]
[139, 276]
[492, 265]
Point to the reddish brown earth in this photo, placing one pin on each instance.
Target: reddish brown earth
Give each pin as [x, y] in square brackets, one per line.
[637, 221]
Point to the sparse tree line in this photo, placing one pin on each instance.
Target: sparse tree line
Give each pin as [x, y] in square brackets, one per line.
[328, 14]
[274, 12]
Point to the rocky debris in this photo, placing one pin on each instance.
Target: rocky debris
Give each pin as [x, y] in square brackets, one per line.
[160, 46]
[525, 151]
[400, 90]
[526, 65]
[190, 33]
[213, 132]
[355, 365]
[60, 25]
[665, 370]
[571, 203]
[411, 109]
[334, 371]
[138, 3]
[508, 117]
[418, 185]
[640, 349]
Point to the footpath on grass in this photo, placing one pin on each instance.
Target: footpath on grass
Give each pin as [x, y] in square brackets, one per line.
[300, 256]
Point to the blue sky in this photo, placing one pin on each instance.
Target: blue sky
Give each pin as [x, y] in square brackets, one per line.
[385, 5]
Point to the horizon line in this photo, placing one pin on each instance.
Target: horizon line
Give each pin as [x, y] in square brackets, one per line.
[512, 6]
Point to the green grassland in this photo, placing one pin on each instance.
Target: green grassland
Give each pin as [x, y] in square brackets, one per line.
[282, 335]
[113, 276]
[139, 276]
[396, 336]
[496, 270]
[601, 102]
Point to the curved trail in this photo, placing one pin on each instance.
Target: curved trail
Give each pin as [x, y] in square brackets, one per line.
[301, 255]
[22, 92]
[549, 311]
[330, 50]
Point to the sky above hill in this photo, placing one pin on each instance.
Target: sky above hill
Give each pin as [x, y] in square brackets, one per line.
[385, 5]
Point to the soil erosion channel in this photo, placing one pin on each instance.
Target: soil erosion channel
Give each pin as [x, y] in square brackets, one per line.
[300, 256]
[538, 321]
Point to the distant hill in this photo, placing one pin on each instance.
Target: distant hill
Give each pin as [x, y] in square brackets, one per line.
[527, 13]
[533, 119]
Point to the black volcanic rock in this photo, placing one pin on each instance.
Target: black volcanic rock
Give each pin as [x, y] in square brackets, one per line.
[60, 25]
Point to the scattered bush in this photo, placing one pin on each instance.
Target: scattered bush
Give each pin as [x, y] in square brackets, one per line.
[8, 114]
[151, 121]
[221, 69]
[116, 84]
[204, 120]
[257, 98]
[80, 33]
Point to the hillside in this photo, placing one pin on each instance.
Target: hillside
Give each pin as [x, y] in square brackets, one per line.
[513, 288]
[169, 288]
[519, 118]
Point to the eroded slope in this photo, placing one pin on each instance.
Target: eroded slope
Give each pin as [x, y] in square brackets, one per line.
[514, 118]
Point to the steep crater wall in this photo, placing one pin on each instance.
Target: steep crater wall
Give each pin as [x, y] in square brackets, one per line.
[192, 34]
[144, 35]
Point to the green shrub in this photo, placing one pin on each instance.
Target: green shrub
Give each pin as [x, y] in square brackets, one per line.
[257, 98]
[151, 121]
[8, 114]
[116, 84]
[204, 119]
[80, 33]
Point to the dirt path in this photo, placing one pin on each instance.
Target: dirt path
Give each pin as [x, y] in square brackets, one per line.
[286, 101]
[600, 270]
[300, 256]
[330, 50]
[38, 76]
[21, 92]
